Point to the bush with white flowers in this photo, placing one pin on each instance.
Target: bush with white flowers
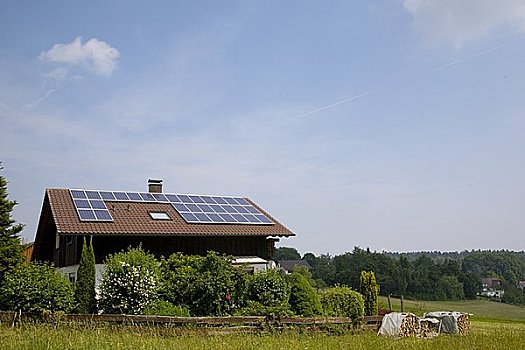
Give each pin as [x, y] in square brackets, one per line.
[130, 283]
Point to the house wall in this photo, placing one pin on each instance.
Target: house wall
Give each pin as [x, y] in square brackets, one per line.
[72, 270]
[165, 246]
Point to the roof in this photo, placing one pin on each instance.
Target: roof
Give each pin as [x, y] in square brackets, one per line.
[133, 218]
[290, 265]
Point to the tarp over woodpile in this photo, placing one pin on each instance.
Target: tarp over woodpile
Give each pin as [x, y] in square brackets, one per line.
[451, 322]
[397, 324]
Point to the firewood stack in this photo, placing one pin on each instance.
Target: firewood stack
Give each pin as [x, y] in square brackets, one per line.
[409, 326]
[463, 322]
[428, 327]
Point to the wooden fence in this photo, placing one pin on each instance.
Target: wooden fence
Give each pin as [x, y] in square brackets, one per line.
[255, 323]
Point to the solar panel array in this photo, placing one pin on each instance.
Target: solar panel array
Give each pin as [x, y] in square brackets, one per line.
[205, 209]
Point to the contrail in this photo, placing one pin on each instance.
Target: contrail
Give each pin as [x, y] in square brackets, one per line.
[35, 103]
[443, 66]
[463, 59]
[332, 105]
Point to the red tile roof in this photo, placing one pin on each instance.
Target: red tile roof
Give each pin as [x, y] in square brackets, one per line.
[132, 218]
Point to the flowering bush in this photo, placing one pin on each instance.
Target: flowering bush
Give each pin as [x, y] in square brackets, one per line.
[130, 282]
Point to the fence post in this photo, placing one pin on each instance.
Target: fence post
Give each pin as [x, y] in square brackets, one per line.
[389, 303]
[402, 304]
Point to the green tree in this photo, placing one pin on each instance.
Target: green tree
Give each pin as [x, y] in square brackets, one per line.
[311, 259]
[304, 300]
[370, 290]
[10, 246]
[36, 287]
[85, 285]
[450, 288]
[324, 270]
[286, 253]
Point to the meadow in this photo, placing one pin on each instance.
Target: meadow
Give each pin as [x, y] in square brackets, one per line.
[497, 326]
[481, 310]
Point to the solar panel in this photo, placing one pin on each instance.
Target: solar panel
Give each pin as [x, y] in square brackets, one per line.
[91, 206]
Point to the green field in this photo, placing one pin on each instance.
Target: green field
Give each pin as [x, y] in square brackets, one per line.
[494, 326]
[485, 335]
[482, 310]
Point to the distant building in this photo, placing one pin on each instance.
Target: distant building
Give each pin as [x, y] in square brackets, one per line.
[491, 287]
[289, 266]
[521, 285]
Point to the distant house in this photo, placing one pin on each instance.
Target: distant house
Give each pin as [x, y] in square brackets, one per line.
[27, 251]
[289, 266]
[162, 223]
[521, 285]
[491, 287]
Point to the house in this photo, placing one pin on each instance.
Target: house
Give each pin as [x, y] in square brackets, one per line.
[521, 285]
[27, 251]
[289, 266]
[491, 287]
[163, 223]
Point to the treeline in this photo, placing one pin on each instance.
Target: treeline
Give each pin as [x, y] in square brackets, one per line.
[423, 275]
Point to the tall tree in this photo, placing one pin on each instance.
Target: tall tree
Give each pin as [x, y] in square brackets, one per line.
[10, 246]
[85, 286]
[286, 253]
[370, 290]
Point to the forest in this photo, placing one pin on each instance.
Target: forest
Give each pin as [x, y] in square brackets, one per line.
[419, 275]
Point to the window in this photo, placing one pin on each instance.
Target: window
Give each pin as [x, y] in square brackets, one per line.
[69, 240]
[159, 216]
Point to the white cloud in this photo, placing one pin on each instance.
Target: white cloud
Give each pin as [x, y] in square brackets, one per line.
[95, 55]
[460, 21]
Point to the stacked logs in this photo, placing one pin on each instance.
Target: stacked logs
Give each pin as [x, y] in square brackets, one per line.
[409, 326]
[463, 323]
[428, 327]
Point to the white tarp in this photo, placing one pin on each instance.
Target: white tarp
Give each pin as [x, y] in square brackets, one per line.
[391, 324]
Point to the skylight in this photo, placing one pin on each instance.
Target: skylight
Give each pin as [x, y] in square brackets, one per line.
[159, 216]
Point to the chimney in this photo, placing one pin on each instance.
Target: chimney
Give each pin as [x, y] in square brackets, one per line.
[154, 186]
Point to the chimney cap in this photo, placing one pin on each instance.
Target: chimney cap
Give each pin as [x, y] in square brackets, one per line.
[154, 181]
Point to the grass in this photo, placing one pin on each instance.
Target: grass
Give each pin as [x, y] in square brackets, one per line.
[494, 326]
[484, 335]
[482, 310]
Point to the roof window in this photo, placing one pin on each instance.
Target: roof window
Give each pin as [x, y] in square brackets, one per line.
[159, 216]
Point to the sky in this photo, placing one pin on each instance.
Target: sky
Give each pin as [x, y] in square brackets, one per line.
[396, 125]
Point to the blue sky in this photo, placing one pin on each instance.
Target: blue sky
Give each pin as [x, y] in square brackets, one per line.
[396, 125]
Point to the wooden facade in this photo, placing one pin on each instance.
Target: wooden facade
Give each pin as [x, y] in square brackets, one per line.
[70, 246]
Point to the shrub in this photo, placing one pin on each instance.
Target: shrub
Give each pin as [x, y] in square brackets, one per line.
[165, 308]
[370, 291]
[85, 286]
[37, 287]
[255, 308]
[303, 300]
[207, 285]
[130, 282]
[269, 288]
[342, 301]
